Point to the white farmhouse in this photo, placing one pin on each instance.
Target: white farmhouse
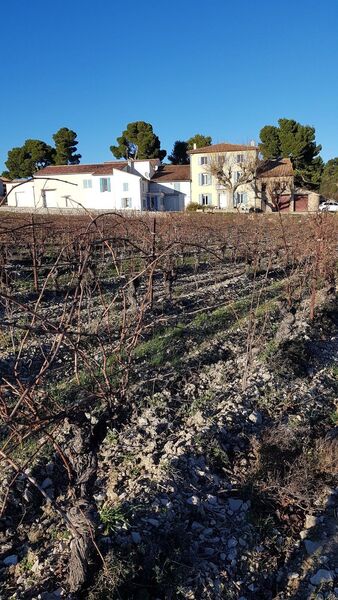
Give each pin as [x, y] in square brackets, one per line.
[101, 186]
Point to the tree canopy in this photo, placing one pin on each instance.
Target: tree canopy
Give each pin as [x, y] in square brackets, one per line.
[179, 154]
[200, 141]
[270, 145]
[329, 182]
[25, 160]
[296, 141]
[66, 147]
[138, 140]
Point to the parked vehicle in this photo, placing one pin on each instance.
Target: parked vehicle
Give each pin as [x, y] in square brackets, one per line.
[329, 206]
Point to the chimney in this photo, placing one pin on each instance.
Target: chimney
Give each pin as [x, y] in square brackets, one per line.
[195, 146]
[253, 143]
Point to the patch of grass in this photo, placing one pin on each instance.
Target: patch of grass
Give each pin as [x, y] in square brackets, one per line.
[67, 391]
[269, 350]
[161, 346]
[30, 447]
[167, 345]
[209, 322]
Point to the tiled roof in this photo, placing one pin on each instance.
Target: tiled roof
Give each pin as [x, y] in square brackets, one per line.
[105, 168]
[224, 147]
[153, 161]
[279, 167]
[67, 169]
[172, 173]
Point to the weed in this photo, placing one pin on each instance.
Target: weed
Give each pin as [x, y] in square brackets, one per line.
[26, 563]
[334, 417]
[216, 455]
[115, 572]
[112, 518]
[112, 437]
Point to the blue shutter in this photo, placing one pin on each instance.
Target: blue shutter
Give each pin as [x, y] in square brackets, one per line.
[108, 184]
[101, 184]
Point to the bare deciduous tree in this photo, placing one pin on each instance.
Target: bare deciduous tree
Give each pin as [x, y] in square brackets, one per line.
[233, 175]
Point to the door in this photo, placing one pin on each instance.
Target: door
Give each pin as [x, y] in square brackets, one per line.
[23, 199]
[50, 199]
[301, 203]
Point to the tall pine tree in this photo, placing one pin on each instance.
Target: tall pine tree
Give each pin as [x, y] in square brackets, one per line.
[138, 140]
[297, 142]
[66, 147]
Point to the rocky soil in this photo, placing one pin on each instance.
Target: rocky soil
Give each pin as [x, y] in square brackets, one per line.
[222, 481]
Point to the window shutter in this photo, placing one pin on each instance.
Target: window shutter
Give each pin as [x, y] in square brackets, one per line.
[108, 184]
[200, 179]
[101, 185]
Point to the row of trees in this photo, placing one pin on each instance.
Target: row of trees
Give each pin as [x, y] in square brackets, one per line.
[138, 140]
[289, 139]
[25, 160]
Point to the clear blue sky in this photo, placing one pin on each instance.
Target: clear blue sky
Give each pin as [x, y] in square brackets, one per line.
[218, 67]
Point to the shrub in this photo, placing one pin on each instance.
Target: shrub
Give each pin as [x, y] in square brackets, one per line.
[193, 206]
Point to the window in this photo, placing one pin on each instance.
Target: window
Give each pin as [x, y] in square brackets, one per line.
[241, 198]
[177, 187]
[125, 187]
[240, 158]
[205, 199]
[237, 176]
[126, 202]
[87, 183]
[104, 184]
[204, 179]
[203, 160]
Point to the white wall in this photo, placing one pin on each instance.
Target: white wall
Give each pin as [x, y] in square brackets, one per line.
[173, 199]
[144, 168]
[68, 191]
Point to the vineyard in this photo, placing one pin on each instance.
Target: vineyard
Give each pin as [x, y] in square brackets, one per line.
[168, 391]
